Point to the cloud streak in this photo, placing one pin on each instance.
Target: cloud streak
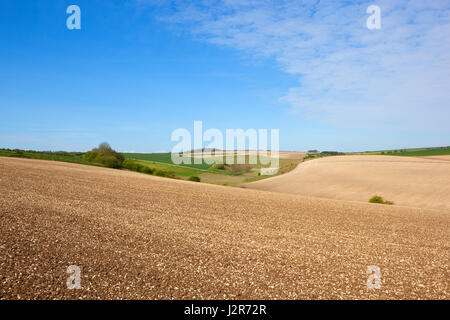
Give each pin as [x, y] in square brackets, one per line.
[396, 77]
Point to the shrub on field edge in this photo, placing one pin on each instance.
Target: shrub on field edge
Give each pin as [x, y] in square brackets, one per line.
[147, 170]
[110, 161]
[107, 160]
[105, 148]
[134, 166]
[104, 154]
[194, 178]
[162, 173]
[219, 166]
[378, 199]
[130, 165]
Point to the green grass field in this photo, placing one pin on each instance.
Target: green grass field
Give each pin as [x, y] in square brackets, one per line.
[207, 172]
[417, 152]
[182, 171]
[164, 158]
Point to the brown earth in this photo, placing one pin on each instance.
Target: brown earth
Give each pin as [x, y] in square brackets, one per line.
[140, 236]
[407, 181]
[281, 154]
[292, 155]
[443, 157]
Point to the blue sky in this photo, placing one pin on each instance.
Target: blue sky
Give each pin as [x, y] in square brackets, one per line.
[139, 69]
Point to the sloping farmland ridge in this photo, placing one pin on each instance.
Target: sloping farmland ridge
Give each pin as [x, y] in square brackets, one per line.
[140, 236]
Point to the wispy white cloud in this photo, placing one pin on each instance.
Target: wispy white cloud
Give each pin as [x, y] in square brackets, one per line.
[398, 76]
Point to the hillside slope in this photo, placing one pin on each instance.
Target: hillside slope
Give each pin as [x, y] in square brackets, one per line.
[408, 181]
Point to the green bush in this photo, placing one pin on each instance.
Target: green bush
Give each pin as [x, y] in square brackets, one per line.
[90, 156]
[130, 165]
[194, 178]
[104, 154]
[162, 173]
[109, 161]
[378, 199]
[331, 153]
[134, 166]
[105, 148]
[219, 166]
[147, 170]
[311, 156]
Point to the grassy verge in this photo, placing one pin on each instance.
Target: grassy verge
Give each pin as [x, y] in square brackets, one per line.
[72, 157]
[315, 155]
